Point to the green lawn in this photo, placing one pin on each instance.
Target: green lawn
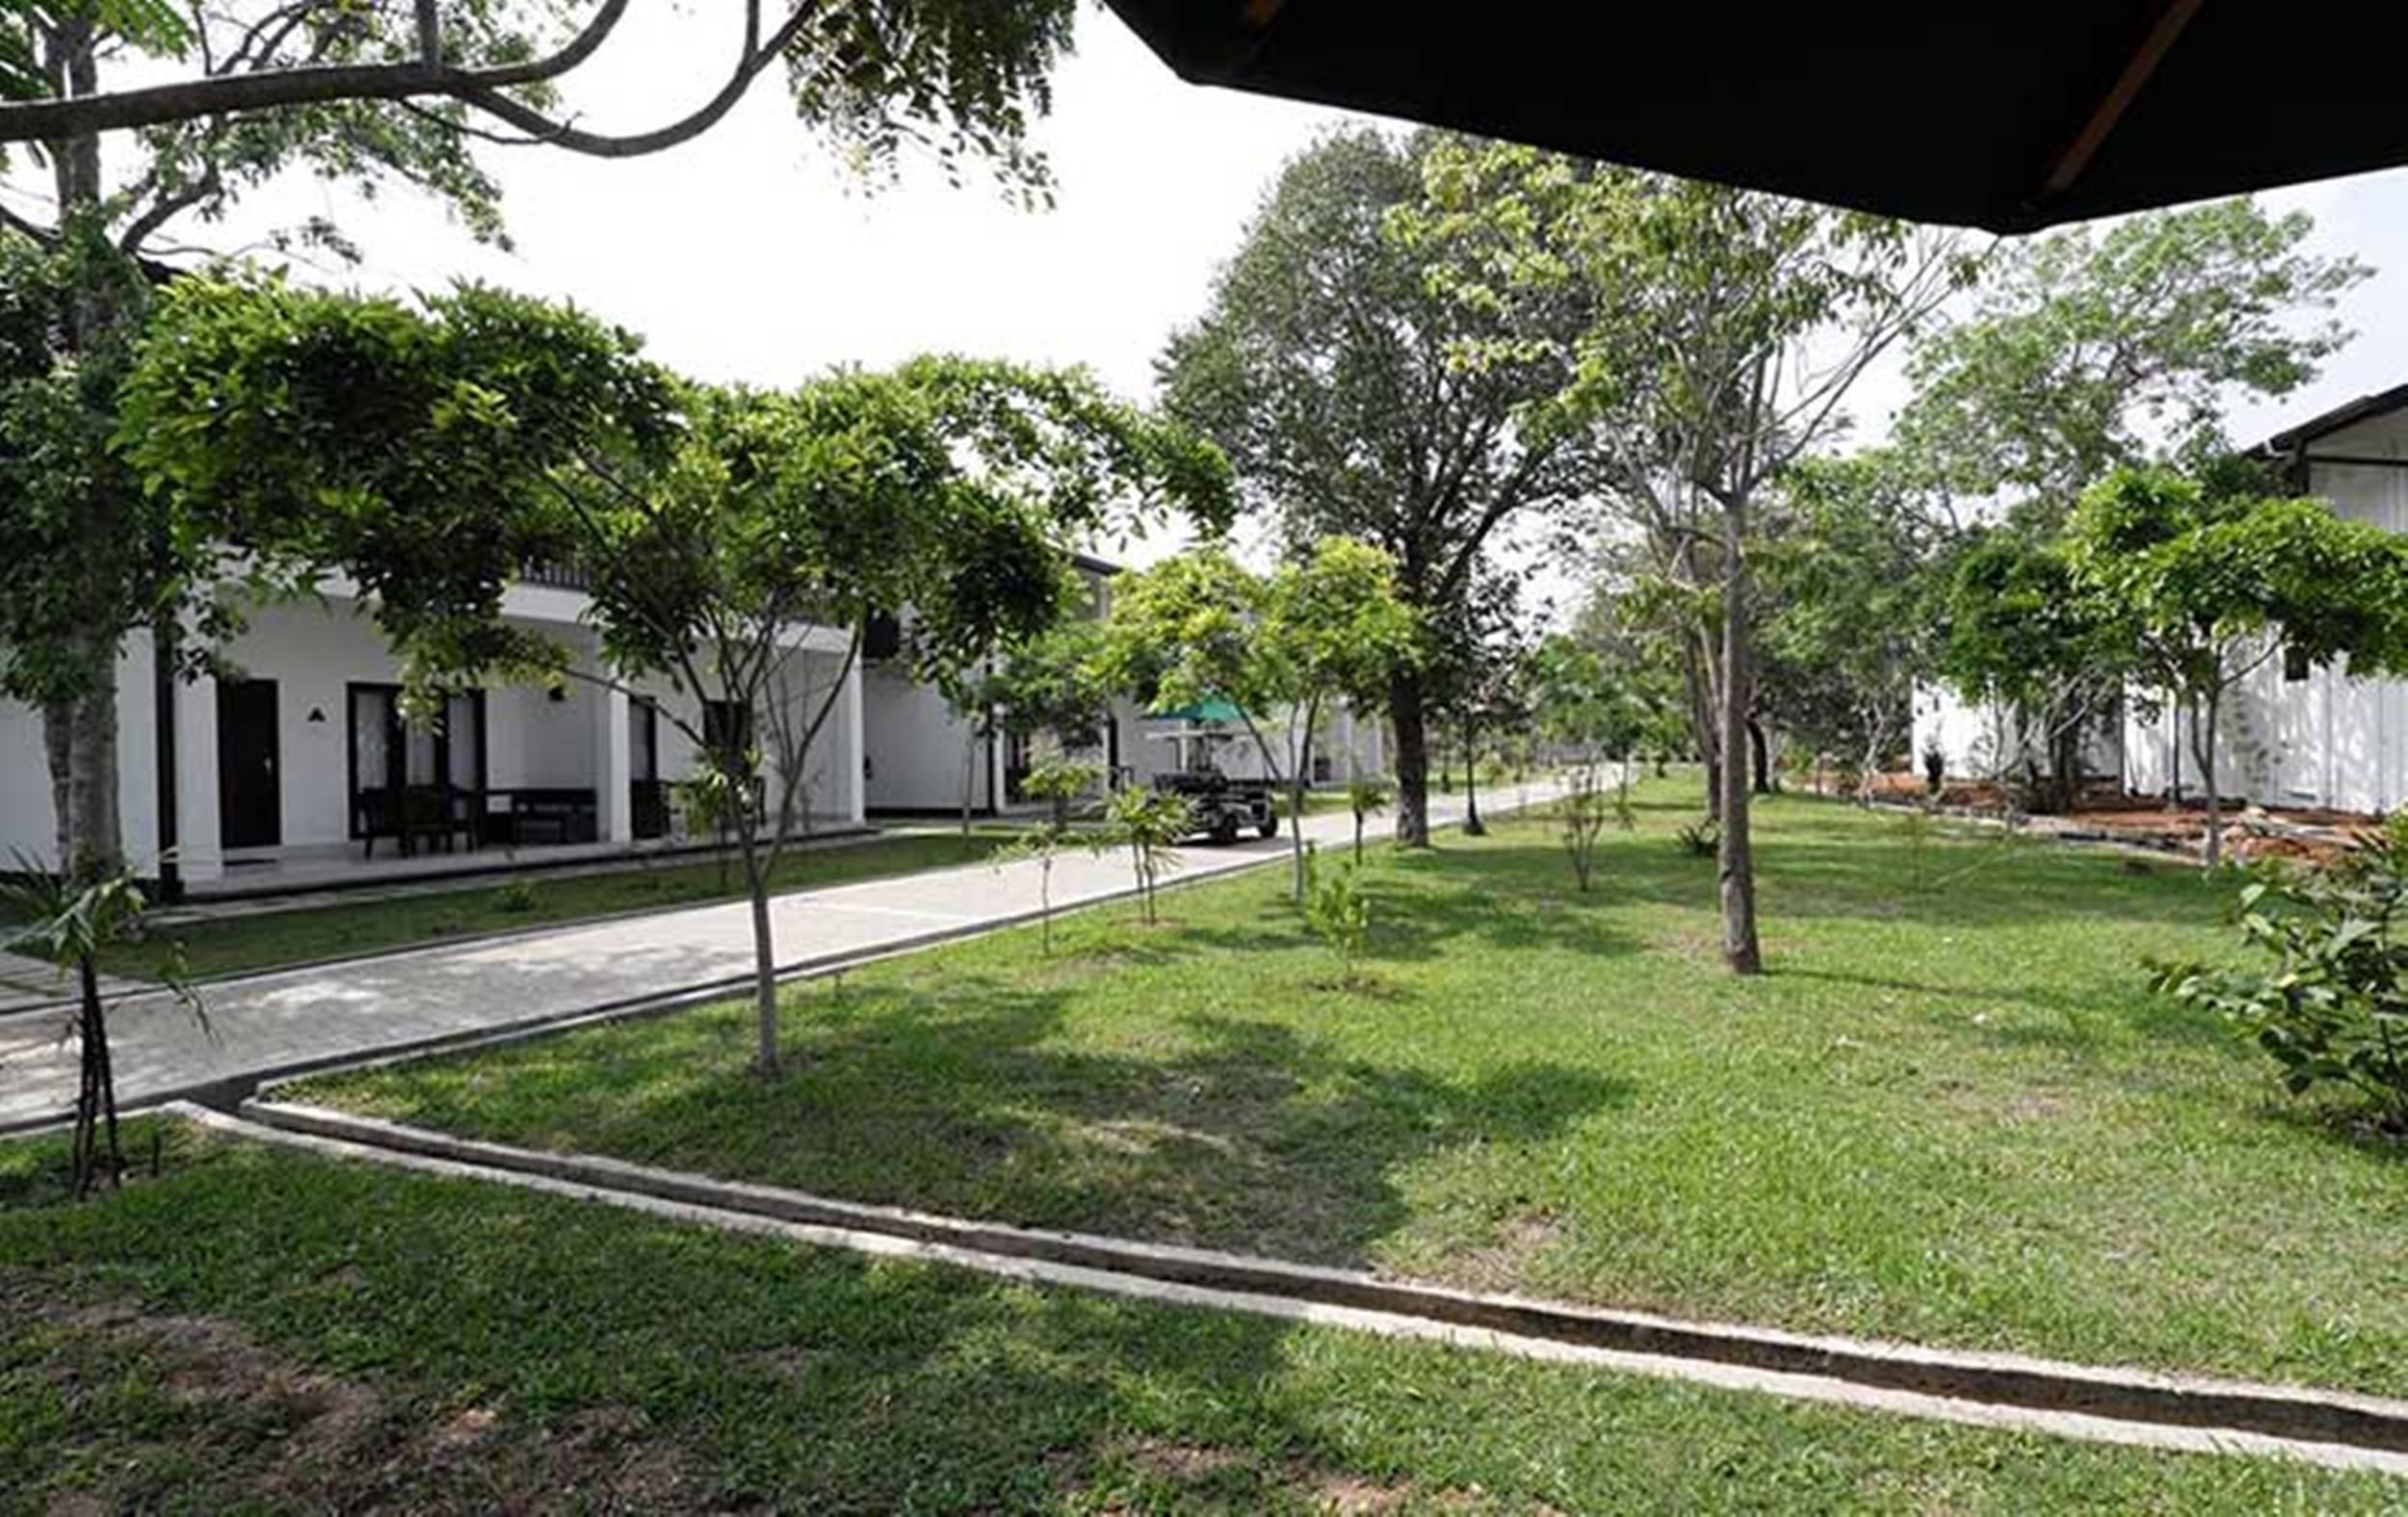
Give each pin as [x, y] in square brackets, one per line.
[267, 1331]
[231, 945]
[1953, 1114]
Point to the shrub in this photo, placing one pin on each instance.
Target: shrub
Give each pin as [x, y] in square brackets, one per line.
[1147, 823]
[515, 898]
[1588, 807]
[2332, 1007]
[1337, 911]
[1701, 839]
[1058, 781]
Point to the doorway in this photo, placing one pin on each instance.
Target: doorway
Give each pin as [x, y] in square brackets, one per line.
[251, 804]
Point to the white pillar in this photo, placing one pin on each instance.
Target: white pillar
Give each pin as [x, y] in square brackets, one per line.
[614, 809]
[199, 855]
[851, 751]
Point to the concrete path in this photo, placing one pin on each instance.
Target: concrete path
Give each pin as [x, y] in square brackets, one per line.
[289, 1019]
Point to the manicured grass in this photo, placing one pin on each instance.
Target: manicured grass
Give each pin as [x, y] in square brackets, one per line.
[263, 1330]
[231, 945]
[1953, 1114]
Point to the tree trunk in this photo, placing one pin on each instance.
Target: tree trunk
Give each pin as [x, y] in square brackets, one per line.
[969, 774]
[2203, 743]
[1737, 863]
[1406, 700]
[1471, 825]
[764, 960]
[81, 736]
[1302, 766]
[1759, 752]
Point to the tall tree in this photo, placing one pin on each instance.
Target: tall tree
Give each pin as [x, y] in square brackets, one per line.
[1850, 572]
[2094, 347]
[1726, 330]
[1327, 365]
[2202, 587]
[206, 102]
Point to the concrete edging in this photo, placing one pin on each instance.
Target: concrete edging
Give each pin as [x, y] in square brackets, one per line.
[2121, 1405]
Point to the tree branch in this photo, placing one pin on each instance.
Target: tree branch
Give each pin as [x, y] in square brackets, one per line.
[270, 88]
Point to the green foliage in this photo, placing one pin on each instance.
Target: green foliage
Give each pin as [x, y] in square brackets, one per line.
[1326, 627]
[1588, 807]
[1700, 839]
[2332, 1008]
[75, 921]
[1058, 782]
[1854, 558]
[1339, 911]
[1149, 824]
[2198, 587]
[1365, 795]
[515, 898]
[1356, 395]
[2084, 343]
[421, 449]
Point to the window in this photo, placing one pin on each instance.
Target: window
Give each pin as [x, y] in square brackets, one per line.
[726, 724]
[2296, 666]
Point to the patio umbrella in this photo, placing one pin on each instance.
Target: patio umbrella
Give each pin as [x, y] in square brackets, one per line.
[2011, 114]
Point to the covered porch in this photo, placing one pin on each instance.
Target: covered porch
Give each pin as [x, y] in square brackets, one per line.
[302, 773]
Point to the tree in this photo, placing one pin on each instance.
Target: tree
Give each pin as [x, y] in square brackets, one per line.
[2094, 347]
[373, 95]
[1727, 329]
[2202, 588]
[1325, 365]
[713, 524]
[1849, 571]
[1201, 625]
[1476, 653]
[962, 74]
[2019, 634]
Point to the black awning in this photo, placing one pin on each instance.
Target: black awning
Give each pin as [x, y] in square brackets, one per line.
[2011, 114]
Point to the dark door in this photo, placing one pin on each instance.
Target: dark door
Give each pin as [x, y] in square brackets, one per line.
[250, 812]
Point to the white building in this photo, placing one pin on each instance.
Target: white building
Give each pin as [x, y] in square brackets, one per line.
[2289, 735]
[2292, 734]
[301, 771]
[920, 756]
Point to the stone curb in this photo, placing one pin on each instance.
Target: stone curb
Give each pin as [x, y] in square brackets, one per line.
[2373, 1427]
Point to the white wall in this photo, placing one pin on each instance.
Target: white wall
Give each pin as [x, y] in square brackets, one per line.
[2329, 738]
[915, 745]
[28, 825]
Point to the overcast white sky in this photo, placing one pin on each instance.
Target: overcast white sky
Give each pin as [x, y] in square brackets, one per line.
[748, 255]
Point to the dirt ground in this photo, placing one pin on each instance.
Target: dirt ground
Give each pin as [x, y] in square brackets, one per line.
[2251, 831]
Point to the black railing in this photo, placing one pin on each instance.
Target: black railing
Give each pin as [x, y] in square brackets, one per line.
[557, 576]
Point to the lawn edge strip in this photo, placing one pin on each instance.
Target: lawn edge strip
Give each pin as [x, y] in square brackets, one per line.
[2342, 1428]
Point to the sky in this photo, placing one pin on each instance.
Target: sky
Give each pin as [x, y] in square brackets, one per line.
[749, 255]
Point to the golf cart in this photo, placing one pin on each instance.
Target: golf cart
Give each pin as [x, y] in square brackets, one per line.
[1222, 807]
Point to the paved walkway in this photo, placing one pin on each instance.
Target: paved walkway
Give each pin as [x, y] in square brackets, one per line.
[280, 1020]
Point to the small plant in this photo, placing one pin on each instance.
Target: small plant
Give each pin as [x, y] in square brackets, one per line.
[74, 923]
[1337, 911]
[1700, 839]
[1040, 845]
[1058, 781]
[515, 898]
[1935, 769]
[1915, 827]
[1366, 795]
[2332, 1008]
[1147, 823]
[1588, 808]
